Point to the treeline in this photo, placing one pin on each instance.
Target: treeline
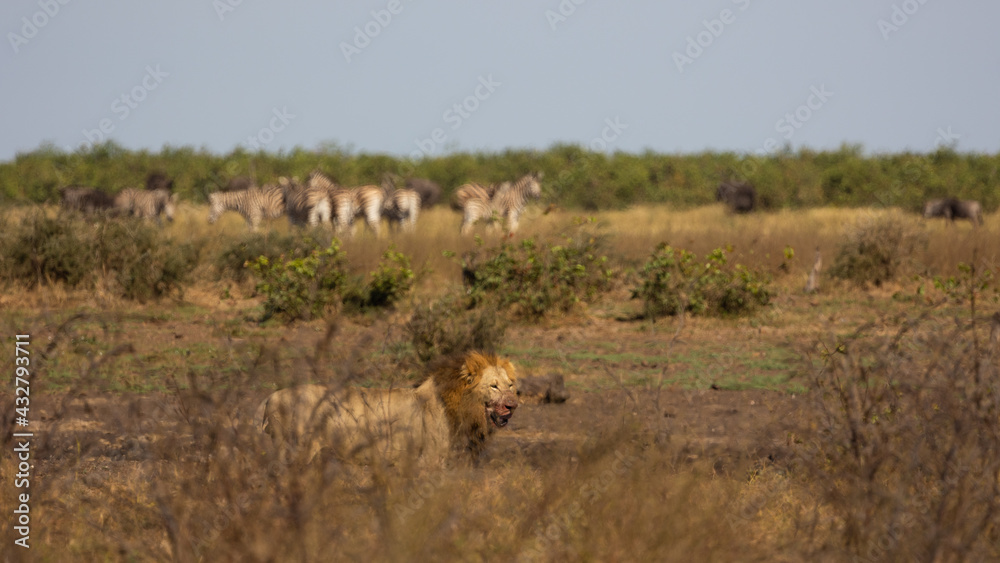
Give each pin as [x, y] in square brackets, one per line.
[574, 176]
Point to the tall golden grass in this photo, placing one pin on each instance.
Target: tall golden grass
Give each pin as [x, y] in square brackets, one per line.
[758, 240]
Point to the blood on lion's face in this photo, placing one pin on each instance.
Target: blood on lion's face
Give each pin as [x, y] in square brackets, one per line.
[499, 389]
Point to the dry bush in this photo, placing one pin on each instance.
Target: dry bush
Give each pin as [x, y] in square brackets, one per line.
[902, 444]
[130, 257]
[878, 248]
[449, 326]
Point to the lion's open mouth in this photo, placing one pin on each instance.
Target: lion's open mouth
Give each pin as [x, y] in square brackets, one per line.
[500, 420]
[499, 415]
[500, 410]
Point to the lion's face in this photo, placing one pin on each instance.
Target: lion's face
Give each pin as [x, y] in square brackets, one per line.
[498, 389]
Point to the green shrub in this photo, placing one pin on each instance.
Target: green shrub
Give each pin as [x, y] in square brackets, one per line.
[389, 283]
[973, 284]
[667, 281]
[534, 279]
[232, 262]
[449, 326]
[303, 286]
[130, 256]
[673, 280]
[877, 249]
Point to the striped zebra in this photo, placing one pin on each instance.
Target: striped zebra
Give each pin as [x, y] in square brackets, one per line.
[401, 207]
[306, 204]
[473, 191]
[497, 202]
[344, 207]
[475, 201]
[146, 204]
[368, 203]
[253, 204]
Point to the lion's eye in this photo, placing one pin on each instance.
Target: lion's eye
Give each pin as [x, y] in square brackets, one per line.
[495, 386]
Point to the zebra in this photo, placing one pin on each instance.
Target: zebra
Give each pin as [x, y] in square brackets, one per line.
[342, 201]
[368, 203]
[86, 200]
[306, 204]
[253, 204]
[348, 204]
[146, 204]
[952, 208]
[473, 191]
[402, 207]
[475, 201]
[496, 202]
[511, 201]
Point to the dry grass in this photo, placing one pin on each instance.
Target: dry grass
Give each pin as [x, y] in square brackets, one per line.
[757, 239]
[880, 446]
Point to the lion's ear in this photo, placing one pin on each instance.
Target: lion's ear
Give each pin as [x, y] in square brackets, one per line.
[469, 374]
[466, 375]
[473, 367]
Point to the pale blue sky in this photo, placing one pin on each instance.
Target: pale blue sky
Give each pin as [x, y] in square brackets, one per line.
[276, 72]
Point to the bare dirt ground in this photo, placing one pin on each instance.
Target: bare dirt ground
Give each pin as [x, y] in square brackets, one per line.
[727, 427]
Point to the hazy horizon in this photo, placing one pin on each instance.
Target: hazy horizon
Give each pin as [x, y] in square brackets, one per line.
[412, 79]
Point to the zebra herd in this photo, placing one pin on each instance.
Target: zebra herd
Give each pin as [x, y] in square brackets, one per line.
[321, 201]
[318, 201]
[496, 202]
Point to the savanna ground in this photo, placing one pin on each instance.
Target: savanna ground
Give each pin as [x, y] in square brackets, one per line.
[856, 423]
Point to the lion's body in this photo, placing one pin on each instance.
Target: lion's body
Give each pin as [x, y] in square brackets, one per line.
[454, 410]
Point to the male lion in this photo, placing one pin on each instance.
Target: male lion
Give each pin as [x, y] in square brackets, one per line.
[454, 410]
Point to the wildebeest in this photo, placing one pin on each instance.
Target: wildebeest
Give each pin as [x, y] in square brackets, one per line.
[953, 208]
[159, 181]
[740, 197]
[86, 200]
[430, 192]
[238, 183]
